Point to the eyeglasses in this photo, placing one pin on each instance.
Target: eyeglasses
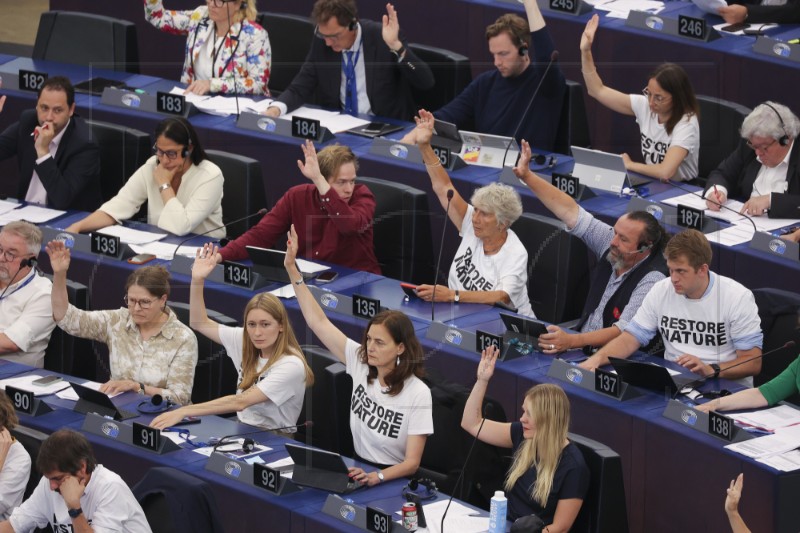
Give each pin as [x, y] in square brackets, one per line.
[8, 256]
[335, 37]
[657, 98]
[143, 303]
[762, 147]
[219, 3]
[171, 154]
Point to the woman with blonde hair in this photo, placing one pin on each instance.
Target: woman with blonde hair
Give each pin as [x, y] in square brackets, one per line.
[548, 476]
[227, 52]
[273, 373]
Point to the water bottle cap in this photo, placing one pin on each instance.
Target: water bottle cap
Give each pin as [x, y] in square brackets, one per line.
[499, 494]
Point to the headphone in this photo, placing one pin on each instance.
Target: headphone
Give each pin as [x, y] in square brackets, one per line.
[428, 492]
[523, 49]
[189, 146]
[784, 140]
[155, 405]
[542, 160]
[248, 445]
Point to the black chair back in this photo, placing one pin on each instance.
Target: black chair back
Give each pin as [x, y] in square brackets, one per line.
[558, 268]
[243, 190]
[122, 151]
[604, 508]
[322, 404]
[573, 128]
[451, 71]
[67, 354]
[87, 39]
[31, 440]
[402, 233]
[720, 121]
[290, 37]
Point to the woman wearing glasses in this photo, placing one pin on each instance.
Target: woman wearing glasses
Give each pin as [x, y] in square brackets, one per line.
[273, 373]
[182, 188]
[149, 350]
[227, 52]
[667, 114]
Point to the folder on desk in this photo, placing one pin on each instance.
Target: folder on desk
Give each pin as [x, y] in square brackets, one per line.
[320, 470]
[649, 376]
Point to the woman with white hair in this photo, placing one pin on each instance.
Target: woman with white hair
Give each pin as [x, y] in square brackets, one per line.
[227, 52]
[763, 171]
[491, 264]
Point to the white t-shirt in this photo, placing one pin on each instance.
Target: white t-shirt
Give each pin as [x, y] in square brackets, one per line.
[284, 384]
[381, 423]
[507, 270]
[713, 327]
[656, 141]
[107, 503]
[14, 478]
[26, 317]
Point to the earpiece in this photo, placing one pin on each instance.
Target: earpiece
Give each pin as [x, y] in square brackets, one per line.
[784, 140]
[523, 50]
[427, 492]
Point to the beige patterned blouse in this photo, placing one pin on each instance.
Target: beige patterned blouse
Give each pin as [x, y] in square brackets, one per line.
[166, 360]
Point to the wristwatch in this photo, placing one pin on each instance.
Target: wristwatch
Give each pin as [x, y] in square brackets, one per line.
[163, 187]
[380, 476]
[141, 388]
[75, 513]
[456, 296]
[715, 367]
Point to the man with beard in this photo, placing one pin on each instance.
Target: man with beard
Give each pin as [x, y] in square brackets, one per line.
[26, 316]
[634, 263]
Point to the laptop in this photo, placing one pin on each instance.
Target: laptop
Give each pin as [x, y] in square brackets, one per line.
[320, 469]
[649, 376]
[93, 401]
[602, 170]
[477, 148]
[269, 264]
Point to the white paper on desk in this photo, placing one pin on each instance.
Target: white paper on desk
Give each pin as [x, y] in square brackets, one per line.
[132, 236]
[190, 97]
[459, 518]
[258, 107]
[777, 417]
[26, 383]
[165, 250]
[622, 8]
[732, 236]
[785, 462]
[70, 394]
[310, 267]
[286, 292]
[781, 442]
[32, 213]
[769, 224]
[223, 106]
[333, 120]
[6, 206]
[710, 6]
[693, 200]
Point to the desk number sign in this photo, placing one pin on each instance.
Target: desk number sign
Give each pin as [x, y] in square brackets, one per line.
[236, 274]
[567, 184]
[691, 27]
[364, 307]
[607, 383]
[483, 340]
[689, 217]
[266, 478]
[564, 6]
[306, 128]
[22, 399]
[146, 437]
[378, 521]
[30, 80]
[720, 426]
[108, 245]
[443, 154]
[172, 104]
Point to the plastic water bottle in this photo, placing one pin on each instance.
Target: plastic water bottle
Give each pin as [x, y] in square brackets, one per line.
[497, 513]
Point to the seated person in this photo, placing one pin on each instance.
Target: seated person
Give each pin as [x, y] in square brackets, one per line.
[548, 476]
[273, 374]
[491, 264]
[59, 163]
[708, 322]
[666, 112]
[26, 316]
[391, 410]
[227, 52]
[761, 12]
[357, 66]
[333, 214]
[763, 170]
[632, 249]
[15, 462]
[76, 494]
[149, 350]
[495, 101]
[182, 188]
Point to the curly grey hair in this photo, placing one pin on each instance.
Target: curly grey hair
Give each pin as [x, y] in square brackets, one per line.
[764, 122]
[500, 199]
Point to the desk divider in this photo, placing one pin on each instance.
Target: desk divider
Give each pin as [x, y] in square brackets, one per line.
[183, 265]
[650, 22]
[121, 432]
[453, 336]
[772, 245]
[245, 473]
[275, 126]
[80, 243]
[667, 214]
[392, 149]
[585, 379]
[777, 49]
[354, 514]
[338, 303]
[143, 102]
[687, 416]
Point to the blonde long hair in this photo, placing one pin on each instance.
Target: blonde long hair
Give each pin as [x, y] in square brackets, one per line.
[285, 344]
[548, 407]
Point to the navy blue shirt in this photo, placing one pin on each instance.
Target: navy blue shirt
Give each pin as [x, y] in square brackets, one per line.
[571, 480]
[494, 104]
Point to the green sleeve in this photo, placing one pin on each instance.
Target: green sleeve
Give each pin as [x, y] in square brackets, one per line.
[783, 385]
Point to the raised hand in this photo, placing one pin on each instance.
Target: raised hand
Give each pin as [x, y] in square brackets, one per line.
[291, 249]
[524, 162]
[424, 129]
[310, 168]
[391, 28]
[587, 38]
[59, 256]
[205, 260]
[488, 360]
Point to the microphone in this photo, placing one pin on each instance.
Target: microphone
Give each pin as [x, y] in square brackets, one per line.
[755, 229]
[692, 384]
[463, 468]
[233, 50]
[553, 59]
[441, 249]
[262, 211]
[245, 445]
[30, 262]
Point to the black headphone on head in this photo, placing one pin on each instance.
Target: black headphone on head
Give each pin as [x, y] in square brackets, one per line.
[155, 405]
[784, 140]
[428, 491]
[189, 145]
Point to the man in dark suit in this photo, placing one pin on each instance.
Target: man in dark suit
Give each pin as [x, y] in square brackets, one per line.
[59, 164]
[763, 171]
[358, 66]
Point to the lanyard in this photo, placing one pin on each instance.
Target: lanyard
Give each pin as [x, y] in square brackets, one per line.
[20, 286]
